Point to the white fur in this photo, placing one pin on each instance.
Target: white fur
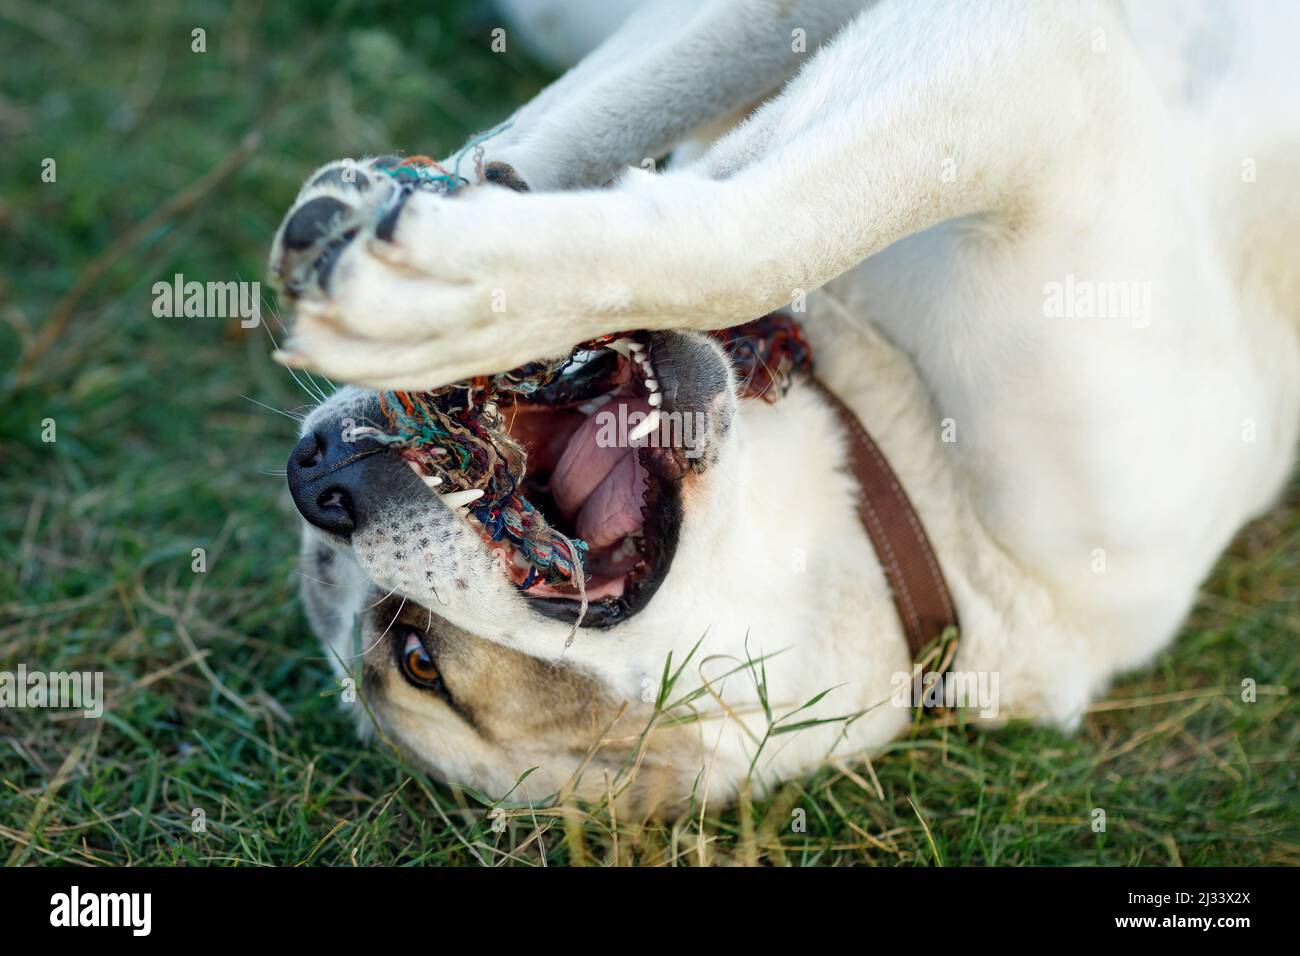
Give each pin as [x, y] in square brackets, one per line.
[933, 171]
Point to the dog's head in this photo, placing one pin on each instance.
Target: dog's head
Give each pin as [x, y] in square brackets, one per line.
[479, 678]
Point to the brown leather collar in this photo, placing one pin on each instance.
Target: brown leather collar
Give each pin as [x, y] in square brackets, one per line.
[911, 567]
[766, 353]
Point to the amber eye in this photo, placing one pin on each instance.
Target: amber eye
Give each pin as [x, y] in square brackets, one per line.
[417, 664]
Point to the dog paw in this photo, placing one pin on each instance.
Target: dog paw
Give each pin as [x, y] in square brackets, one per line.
[403, 274]
[348, 198]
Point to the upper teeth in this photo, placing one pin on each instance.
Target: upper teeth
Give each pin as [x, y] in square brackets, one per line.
[458, 499]
[651, 383]
[647, 425]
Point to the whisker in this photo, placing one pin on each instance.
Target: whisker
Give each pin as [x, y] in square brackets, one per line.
[379, 640]
[279, 320]
[381, 600]
[328, 584]
[316, 385]
[316, 399]
[279, 411]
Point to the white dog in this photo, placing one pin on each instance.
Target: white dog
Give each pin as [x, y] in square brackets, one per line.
[1044, 250]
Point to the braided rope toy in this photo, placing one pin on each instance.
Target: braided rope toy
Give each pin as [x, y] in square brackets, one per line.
[423, 172]
[457, 436]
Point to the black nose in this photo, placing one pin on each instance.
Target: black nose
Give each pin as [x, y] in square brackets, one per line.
[325, 478]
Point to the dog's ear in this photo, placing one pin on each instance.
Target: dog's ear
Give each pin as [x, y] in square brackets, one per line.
[503, 174]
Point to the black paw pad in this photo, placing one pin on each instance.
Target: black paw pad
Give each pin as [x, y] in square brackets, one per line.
[329, 258]
[312, 221]
[384, 228]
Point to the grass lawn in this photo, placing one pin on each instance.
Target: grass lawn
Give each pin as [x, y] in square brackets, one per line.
[174, 161]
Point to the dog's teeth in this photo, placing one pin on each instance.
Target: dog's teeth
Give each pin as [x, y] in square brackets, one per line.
[655, 399]
[458, 499]
[652, 385]
[621, 346]
[648, 424]
[636, 347]
[433, 481]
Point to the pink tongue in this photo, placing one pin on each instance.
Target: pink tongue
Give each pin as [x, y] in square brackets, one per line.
[614, 508]
[585, 464]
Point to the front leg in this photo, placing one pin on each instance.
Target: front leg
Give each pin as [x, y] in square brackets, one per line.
[913, 116]
[441, 288]
[673, 68]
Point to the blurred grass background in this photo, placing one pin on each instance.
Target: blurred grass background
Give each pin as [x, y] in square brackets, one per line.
[173, 161]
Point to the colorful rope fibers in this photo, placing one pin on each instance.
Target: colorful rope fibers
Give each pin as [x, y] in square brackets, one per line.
[457, 434]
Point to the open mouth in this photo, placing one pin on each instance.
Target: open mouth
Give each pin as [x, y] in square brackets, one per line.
[599, 472]
[600, 469]
[569, 470]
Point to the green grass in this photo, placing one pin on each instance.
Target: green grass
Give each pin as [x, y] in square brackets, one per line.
[219, 696]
